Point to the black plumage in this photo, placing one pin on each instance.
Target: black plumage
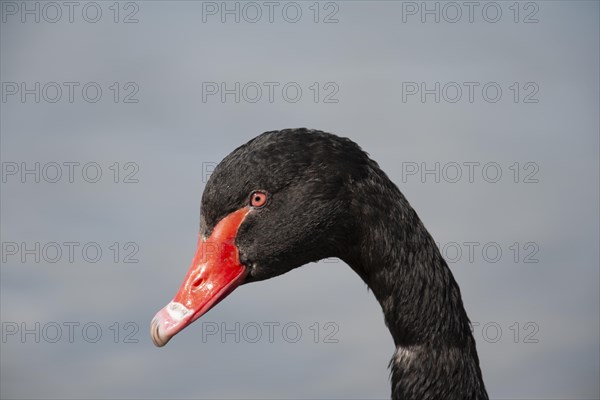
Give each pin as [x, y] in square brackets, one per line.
[327, 198]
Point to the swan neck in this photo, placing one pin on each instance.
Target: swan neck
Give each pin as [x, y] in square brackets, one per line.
[435, 350]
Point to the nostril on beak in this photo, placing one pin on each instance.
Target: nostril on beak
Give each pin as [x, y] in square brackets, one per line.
[197, 282]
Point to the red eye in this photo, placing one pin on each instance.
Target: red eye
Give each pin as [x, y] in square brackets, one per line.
[258, 199]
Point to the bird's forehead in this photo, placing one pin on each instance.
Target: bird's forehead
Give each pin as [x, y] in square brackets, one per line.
[259, 168]
[229, 187]
[272, 162]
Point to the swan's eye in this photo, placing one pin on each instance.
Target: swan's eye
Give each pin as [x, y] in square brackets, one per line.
[258, 199]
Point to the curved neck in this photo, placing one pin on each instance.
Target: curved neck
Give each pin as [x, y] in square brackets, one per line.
[398, 259]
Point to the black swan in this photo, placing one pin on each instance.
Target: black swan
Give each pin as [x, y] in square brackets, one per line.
[290, 197]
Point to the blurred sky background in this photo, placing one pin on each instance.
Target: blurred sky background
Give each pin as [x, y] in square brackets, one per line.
[536, 323]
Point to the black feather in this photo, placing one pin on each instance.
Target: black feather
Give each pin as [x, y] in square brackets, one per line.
[327, 198]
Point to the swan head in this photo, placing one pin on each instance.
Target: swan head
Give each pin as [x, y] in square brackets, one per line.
[280, 201]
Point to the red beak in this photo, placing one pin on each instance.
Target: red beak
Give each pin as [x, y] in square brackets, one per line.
[215, 272]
